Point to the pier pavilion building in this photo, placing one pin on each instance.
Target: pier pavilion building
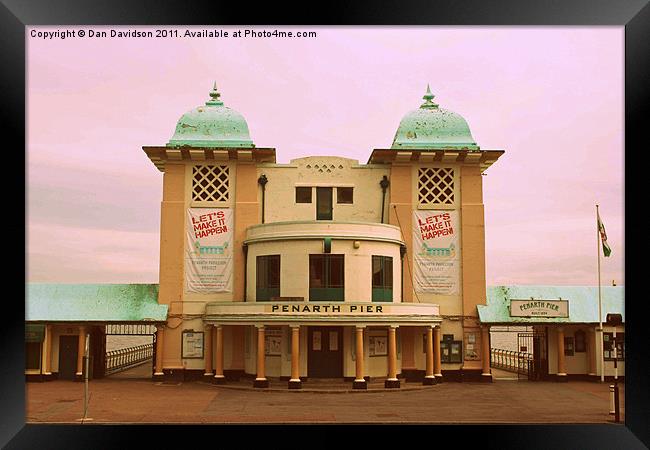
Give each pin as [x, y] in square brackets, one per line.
[322, 267]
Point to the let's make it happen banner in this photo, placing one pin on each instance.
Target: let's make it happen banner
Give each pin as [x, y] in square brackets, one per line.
[208, 250]
[436, 251]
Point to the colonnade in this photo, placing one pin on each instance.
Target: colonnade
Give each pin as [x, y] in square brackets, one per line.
[214, 348]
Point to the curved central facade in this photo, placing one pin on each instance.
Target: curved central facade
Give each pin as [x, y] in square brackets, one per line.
[323, 267]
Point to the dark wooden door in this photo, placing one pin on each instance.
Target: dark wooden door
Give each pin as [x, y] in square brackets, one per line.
[97, 352]
[68, 347]
[325, 352]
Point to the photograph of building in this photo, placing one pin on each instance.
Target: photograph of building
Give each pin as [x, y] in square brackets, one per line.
[402, 261]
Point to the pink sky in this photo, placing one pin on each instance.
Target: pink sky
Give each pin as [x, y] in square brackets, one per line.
[551, 97]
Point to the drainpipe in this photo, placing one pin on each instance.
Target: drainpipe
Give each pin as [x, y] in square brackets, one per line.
[384, 183]
[402, 252]
[262, 180]
[245, 271]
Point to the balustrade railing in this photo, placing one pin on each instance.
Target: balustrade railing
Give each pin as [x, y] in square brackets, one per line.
[125, 358]
[512, 361]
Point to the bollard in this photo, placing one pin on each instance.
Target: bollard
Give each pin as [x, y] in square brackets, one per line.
[612, 407]
[617, 409]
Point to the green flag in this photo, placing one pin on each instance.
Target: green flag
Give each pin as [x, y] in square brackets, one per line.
[603, 237]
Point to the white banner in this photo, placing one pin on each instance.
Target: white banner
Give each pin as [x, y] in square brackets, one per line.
[208, 251]
[436, 252]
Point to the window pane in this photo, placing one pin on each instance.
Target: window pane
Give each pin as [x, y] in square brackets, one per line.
[316, 271]
[268, 277]
[274, 271]
[388, 272]
[568, 346]
[376, 271]
[262, 269]
[336, 271]
[344, 195]
[303, 195]
[323, 203]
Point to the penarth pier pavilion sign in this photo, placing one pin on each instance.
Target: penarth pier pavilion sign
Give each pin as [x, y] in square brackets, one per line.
[322, 312]
[539, 308]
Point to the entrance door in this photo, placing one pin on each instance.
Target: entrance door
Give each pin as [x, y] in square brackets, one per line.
[325, 352]
[68, 347]
[533, 355]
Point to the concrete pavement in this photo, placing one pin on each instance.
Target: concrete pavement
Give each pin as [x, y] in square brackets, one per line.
[145, 401]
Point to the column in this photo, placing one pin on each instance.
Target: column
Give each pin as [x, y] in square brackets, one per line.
[392, 381]
[219, 378]
[207, 354]
[429, 377]
[437, 370]
[160, 329]
[485, 346]
[260, 379]
[81, 349]
[294, 382]
[591, 351]
[47, 363]
[561, 373]
[359, 381]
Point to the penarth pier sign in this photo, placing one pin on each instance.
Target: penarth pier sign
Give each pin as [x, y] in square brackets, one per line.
[539, 308]
[325, 312]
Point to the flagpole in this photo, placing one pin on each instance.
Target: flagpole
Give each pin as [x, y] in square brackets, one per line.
[600, 307]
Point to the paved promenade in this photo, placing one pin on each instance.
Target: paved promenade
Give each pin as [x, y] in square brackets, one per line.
[123, 400]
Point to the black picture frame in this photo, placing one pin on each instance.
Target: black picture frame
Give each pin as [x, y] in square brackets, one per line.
[633, 14]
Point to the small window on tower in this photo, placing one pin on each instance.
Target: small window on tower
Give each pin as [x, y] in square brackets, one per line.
[344, 195]
[303, 195]
[210, 183]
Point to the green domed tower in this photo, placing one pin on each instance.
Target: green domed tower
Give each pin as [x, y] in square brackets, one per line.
[212, 125]
[431, 127]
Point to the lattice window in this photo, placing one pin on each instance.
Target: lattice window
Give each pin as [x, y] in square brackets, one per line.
[436, 186]
[210, 183]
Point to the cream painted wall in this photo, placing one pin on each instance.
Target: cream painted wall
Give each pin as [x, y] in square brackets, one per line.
[280, 190]
[294, 266]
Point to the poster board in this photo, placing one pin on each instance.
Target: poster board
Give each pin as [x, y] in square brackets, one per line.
[272, 341]
[192, 344]
[378, 346]
[471, 346]
[377, 343]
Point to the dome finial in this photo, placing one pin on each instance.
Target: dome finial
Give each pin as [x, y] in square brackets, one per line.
[214, 97]
[428, 99]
